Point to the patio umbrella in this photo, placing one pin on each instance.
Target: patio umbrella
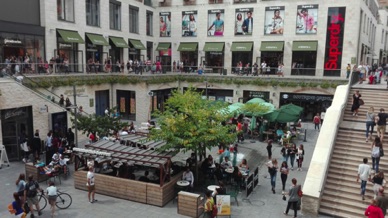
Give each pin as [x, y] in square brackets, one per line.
[282, 116]
[232, 108]
[253, 123]
[292, 108]
[259, 109]
[255, 101]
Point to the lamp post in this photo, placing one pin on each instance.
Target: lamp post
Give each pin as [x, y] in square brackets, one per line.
[75, 116]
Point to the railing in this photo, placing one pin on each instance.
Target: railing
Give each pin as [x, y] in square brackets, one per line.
[39, 68]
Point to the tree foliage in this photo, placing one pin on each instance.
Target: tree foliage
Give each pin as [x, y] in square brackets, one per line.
[254, 109]
[190, 123]
[102, 125]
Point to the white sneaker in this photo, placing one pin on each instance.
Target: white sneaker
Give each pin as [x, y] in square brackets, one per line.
[354, 114]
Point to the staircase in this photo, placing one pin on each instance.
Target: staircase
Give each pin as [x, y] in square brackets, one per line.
[341, 193]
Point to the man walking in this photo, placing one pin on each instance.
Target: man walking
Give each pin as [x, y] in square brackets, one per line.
[90, 184]
[31, 194]
[364, 175]
[381, 123]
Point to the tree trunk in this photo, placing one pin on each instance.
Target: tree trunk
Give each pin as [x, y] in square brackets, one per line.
[196, 165]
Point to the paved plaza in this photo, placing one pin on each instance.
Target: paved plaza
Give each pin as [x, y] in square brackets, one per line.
[263, 203]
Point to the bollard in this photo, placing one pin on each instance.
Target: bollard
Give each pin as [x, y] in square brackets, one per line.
[305, 131]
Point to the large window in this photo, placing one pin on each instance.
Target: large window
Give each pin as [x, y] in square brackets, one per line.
[115, 15]
[133, 19]
[65, 10]
[149, 23]
[93, 12]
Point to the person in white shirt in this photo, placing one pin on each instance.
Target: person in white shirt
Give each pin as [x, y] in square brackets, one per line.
[323, 113]
[55, 159]
[52, 194]
[226, 163]
[363, 174]
[90, 184]
[188, 176]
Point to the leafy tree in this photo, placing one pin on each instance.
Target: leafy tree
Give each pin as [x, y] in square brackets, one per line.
[102, 125]
[255, 109]
[190, 123]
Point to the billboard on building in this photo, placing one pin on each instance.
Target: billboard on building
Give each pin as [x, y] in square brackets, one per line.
[189, 23]
[274, 20]
[165, 24]
[215, 23]
[243, 21]
[334, 41]
[307, 19]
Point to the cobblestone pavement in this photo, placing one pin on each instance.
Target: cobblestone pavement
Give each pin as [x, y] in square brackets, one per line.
[262, 202]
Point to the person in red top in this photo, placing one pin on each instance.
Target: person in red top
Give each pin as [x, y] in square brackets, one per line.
[317, 121]
[92, 137]
[373, 211]
[239, 132]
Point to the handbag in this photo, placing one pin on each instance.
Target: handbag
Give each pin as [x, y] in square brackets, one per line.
[360, 101]
[381, 152]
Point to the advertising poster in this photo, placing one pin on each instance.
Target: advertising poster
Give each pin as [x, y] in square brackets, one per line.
[223, 205]
[215, 23]
[334, 41]
[244, 21]
[274, 20]
[189, 23]
[307, 19]
[122, 105]
[165, 24]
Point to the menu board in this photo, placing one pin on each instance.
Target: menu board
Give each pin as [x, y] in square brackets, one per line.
[223, 205]
[133, 106]
[122, 105]
[249, 185]
[256, 177]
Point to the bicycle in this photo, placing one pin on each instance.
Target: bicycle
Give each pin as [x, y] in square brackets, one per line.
[63, 201]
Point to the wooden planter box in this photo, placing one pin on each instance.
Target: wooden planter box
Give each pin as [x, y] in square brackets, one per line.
[132, 190]
[32, 170]
[188, 204]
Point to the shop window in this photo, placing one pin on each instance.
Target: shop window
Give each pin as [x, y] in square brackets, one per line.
[65, 10]
[133, 19]
[126, 104]
[215, 60]
[148, 2]
[115, 15]
[93, 12]
[304, 63]
[149, 25]
[216, 1]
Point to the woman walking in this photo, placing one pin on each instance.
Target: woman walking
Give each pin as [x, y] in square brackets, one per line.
[374, 211]
[376, 147]
[20, 183]
[292, 151]
[269, 149]
[370, 123]
[299, 157]
[52, 193]
[293, 198]
[208, 207]
[272, 170]
[283, 175]
[356, 103]
[17, 205]
[378, 181]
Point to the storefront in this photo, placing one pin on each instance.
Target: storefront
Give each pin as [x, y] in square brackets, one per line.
[134, 51]
[272, 53]
[248, 95]
[126, 104]
[189, 53]
[14, 123]
[116, 52]
[164, 49]
[312, 103]
[216, 94]
[304, 58]
[94, 48]
[242, 52]
[214, 56]
[67, 48]
[159, 98]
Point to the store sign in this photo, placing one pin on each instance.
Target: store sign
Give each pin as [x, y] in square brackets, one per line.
[306, 97]
[257, 94]
[13, 113]
[63, 45]
[334, 40]
[12, 41]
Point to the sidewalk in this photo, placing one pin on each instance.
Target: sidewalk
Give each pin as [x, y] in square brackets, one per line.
[264, 203]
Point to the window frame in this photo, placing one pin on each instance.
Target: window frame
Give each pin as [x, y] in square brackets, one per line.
[93, 14]
[133, 8]
[64, 11]
[149, 26]
[117, 5]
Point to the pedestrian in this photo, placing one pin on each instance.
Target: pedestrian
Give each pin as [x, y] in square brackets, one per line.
[370, 123]
[316, 121]
[31, 195]
[373, 211]
[272, 170]
[382, 201]
[356, 103]
[208, 206]
[61, 100]
[52, 194]
[348, 68]
[284, 152]
[91, 185]
[378, 182]
[300, 156]
[269, 149]
[293, 199]
[284, 170]
[381, 123]
[20, 184]
[17, 206]
[364, 176]
[376, 147]
[36, 145]
[323, 113]
[292, 152]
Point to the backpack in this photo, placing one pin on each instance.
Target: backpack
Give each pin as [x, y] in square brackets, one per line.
[214, 211]
[376, 151]
[316, 119]
[31, 188]
[300, 193]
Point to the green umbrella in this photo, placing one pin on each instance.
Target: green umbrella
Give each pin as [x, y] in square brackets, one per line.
[282, 116]
[292, 108]
[232, 108]
[259, 109]
[255, 101]
[253, 123]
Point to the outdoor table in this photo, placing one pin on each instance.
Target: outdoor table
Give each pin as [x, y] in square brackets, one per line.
[213, 187]
[267, 133]
[183, 183]
[229, 170]
[212, 166]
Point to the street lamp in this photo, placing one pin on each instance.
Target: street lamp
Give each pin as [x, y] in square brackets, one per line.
[74, 106]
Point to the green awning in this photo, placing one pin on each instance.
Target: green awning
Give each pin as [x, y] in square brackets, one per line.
[304, 46]
[71, 36]
[241, 46]
[271, 46]
[119, 42]
[214, 46]
[188, 46]
[137, 44]
[97, 39]
[163, 46]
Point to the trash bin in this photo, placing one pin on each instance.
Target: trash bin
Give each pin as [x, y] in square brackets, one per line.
[224, 71]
